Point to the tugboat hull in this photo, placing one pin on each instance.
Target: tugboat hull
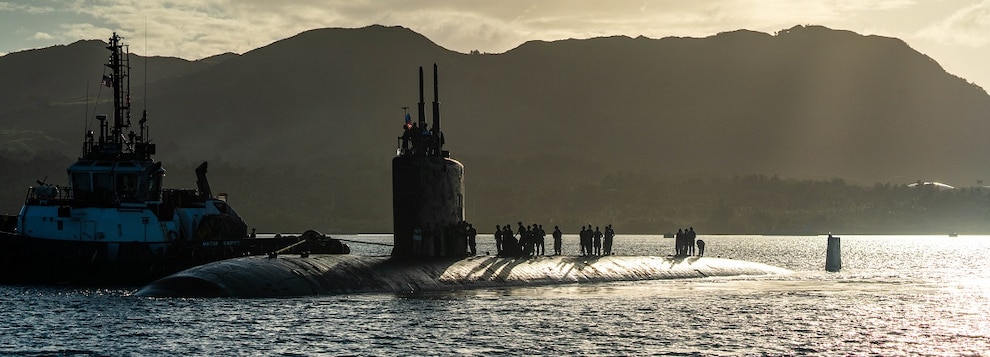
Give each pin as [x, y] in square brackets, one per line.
[33, 260]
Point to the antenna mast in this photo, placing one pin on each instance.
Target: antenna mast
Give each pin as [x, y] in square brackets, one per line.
[115, 142]
[144, 112]
[438, 139]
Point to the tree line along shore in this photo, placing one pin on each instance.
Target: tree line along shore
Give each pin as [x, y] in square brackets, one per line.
[358, 200]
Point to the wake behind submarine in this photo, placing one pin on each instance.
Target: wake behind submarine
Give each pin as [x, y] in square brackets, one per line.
[427, 190]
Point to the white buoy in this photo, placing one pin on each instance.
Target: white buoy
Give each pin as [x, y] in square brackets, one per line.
[833, 257]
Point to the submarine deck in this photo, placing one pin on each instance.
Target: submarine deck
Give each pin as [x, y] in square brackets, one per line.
[336, 274]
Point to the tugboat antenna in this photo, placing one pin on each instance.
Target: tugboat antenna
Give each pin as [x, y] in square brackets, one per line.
[144, 112]
[116, 82]
[86, 118]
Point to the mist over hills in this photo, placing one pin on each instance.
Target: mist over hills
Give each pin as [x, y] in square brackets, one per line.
[806, 102]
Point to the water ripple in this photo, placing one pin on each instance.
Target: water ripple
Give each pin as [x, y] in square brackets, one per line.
[895, 296]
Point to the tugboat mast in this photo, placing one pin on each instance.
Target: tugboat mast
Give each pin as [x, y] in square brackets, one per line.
[121, 96]
[115, 142]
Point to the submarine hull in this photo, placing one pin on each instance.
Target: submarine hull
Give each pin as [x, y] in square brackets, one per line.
[338, 274]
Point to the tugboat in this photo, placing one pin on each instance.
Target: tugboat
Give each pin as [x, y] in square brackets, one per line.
[114, 224]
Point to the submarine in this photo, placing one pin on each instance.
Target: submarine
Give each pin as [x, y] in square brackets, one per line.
[428, 195]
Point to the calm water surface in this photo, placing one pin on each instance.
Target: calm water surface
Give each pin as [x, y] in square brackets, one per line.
[896, 295]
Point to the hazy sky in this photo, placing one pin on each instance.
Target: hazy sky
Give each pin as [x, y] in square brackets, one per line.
[956, 33]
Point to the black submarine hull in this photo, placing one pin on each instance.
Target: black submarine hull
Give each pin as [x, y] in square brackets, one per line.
[286, 276]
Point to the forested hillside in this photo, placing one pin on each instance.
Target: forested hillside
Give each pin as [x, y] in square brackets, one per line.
[648, 134]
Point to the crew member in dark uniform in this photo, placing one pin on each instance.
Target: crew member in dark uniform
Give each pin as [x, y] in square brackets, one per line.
[541, 237]
[585, 241]
[498, 240]
[472, 235]
[598, 241]
[690, 241]
[609, 238]
[510, 246]
[408, 130]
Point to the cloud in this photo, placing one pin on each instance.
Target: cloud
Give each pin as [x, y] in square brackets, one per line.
[196, 29]
[968, 26]
[22, 8]
[42, 36]
[83, 31]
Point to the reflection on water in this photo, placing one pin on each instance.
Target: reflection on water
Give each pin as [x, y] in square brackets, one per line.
[894, 296]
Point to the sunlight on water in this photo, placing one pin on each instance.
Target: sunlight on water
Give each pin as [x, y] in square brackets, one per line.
[906, 295]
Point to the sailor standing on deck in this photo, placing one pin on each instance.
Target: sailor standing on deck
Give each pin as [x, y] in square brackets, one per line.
[598, 241]
[609, 238]
[510, 246]
[498, 240]
[690, 241]
[472, 235]
[417, 138]
[541, 237]
[585, 241]
[427, 140]
[407, 134]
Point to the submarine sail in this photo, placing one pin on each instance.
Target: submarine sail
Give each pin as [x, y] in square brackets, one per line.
[427, 189]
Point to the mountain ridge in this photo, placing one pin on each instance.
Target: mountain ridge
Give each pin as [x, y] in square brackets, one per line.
[804, 102]
[735, 86]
